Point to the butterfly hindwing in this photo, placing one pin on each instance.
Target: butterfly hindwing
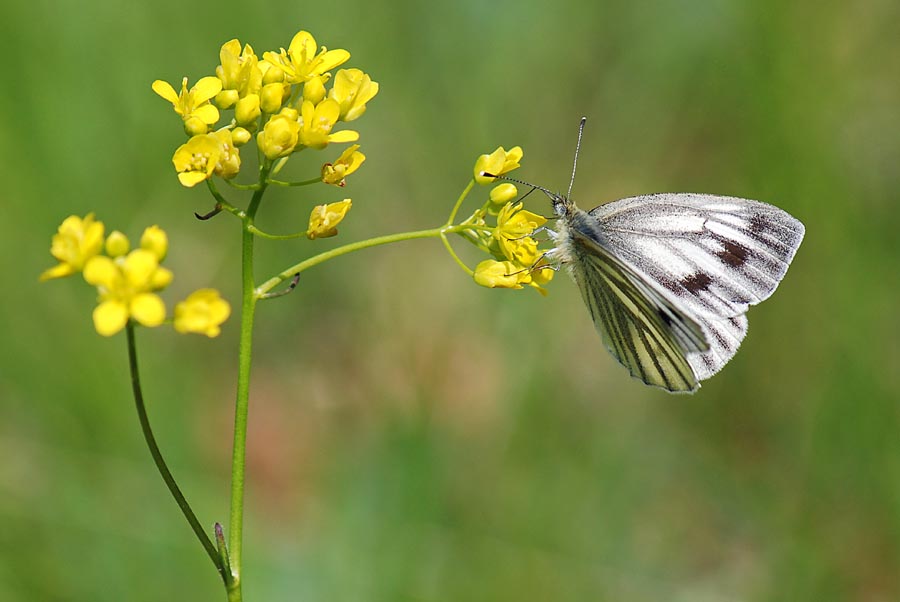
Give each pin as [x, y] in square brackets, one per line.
[642, 329]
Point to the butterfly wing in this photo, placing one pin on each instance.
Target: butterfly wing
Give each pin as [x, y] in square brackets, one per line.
[643, 329]
[711, 256]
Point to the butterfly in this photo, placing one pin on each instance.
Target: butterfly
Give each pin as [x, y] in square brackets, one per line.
[668, 278]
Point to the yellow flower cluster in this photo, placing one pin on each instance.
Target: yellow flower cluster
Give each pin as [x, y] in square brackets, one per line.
[283, 98]
[128, 280]
[517, 261]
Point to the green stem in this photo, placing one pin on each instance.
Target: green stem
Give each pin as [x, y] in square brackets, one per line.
[242, 401]
[303, 183]
[268, 236]
[271, 283]
[459, 201]
[234, 184]
[158, 458]
[455, 257]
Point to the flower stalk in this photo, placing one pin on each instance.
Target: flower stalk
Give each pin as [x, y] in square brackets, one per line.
[158, 459]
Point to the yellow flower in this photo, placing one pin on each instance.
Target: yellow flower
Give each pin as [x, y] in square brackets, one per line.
[316, 122]
[202, 313]
[127, 288]
[497, 163]
[352, 89]
[204, 154]
[280, 135]
[508, 274]
[193, 105]
[539, 276]
[346, 164]
[513, 233]
[154, 239]
[500, 274]
[76, 241]
[196, 159]
[504, 193]
[324, 219]
[239, 73]
[300, 62]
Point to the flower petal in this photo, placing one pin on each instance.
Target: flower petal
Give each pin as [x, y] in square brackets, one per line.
[101, 271]
[148, 309]
[58, 271]
[110, 317]
[165, 90]
[208, 114]
[191, 178]
[344, 136]
[332, 59]
[205, 89]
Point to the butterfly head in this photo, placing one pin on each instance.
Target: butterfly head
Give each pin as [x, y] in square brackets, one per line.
[562, 206]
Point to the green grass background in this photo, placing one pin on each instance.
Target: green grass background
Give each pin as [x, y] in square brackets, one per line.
[416, 437]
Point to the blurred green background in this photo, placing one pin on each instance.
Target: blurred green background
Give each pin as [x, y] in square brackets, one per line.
[416, 437]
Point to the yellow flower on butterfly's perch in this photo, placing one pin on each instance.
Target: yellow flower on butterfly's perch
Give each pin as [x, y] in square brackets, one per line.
[491, 273]
[503, 193]
[324, 219]
[500, 274]
[497, 163]
[77, 240]
[203, 312]
[193, 105]
[513, 233]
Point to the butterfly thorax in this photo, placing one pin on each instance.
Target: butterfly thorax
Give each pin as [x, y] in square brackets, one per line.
[573, 225]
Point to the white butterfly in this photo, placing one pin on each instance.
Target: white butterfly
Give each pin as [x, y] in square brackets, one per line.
[668, 277]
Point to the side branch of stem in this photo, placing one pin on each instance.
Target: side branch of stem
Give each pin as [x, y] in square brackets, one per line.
[158, 458]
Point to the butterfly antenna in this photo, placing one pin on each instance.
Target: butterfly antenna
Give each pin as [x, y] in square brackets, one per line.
[575, 161]
[549, 193]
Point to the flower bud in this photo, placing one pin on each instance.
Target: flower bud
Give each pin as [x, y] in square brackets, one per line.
[314, 90]
[117, 244]
[273, 75]
[280, 136]
[194, 126]
[240, 136]
[154, 239]
[271, 97]
[226, 98]
[503, 193]
[247, 109]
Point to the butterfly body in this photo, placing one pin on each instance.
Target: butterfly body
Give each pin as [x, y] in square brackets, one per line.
[667, 278]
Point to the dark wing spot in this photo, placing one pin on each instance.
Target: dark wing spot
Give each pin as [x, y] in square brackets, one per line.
[758, 224]
[696, 282]
[733, 254]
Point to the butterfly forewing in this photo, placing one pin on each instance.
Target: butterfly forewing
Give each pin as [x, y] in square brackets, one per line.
[717, 254]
